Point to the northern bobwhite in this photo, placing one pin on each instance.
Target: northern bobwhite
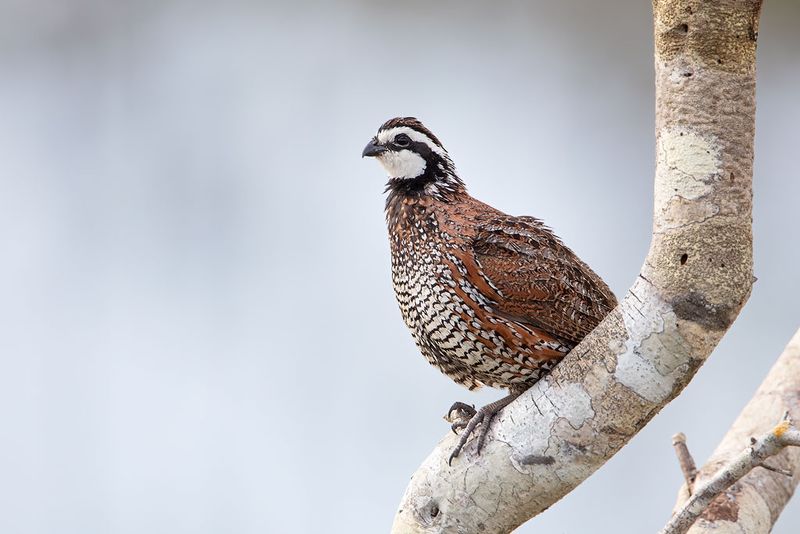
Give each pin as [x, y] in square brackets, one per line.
[490, 299]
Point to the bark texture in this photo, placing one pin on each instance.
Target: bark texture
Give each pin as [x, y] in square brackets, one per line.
[695, 280]
[753, 504]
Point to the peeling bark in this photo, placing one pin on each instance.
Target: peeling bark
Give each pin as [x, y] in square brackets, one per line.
[695, 280]
[753, 504]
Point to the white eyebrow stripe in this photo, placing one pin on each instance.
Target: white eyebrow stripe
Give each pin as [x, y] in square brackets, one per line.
[387, 135]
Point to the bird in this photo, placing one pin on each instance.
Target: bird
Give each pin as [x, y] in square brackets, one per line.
[490, 299]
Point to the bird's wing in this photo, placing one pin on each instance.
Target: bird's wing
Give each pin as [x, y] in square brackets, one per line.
[534, 279]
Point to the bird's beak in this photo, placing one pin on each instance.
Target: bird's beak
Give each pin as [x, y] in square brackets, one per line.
[373, 149]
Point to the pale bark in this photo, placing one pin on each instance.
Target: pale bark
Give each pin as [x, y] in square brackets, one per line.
[753, 504]
[695, 279]
[756, 455]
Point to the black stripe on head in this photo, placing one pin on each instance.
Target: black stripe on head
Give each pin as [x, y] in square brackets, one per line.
[410, 122]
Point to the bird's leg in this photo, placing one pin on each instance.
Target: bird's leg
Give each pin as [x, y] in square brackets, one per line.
[483, 416]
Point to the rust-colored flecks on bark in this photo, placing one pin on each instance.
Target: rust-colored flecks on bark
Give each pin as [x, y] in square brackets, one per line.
[724, 507]
[760, 496]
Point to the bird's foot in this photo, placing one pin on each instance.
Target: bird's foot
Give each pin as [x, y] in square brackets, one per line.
[481, 417]
[459, 415]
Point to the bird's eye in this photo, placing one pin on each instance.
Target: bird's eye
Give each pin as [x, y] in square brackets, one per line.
[402, 140]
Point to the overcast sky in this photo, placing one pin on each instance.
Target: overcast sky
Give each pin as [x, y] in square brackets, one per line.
[199, 333]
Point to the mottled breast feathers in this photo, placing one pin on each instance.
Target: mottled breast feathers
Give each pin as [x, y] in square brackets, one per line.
[490, 299]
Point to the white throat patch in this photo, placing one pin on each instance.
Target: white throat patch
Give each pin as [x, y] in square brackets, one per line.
[402, 164]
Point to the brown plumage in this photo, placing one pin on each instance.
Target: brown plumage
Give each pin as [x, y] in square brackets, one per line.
[491, 299]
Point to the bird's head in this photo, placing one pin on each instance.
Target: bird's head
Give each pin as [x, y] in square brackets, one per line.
[414, 158]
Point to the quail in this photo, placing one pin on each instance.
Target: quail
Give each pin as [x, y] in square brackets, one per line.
[490, 299]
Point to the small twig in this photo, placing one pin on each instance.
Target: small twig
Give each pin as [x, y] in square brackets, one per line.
[770, 444]
[685, 460]
[774, 469]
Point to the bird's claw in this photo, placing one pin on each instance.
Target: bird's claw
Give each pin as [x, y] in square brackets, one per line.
[458, 425]
[481, 417]
[465, 411]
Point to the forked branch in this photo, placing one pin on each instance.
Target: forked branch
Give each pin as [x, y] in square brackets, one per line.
[753, 456]
[746, 491]
[695, 280]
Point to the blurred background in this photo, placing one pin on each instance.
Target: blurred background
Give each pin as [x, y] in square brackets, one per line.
[199, 332]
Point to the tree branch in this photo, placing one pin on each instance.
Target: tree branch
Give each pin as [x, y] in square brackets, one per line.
[695, 279]
[754, 456]
[755, 500]
[685, 459]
